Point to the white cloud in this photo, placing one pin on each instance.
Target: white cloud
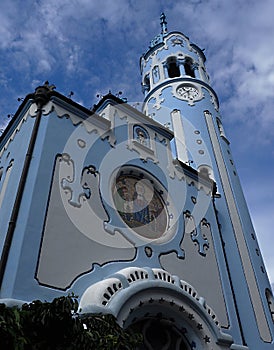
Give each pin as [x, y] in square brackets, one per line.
[238, 36]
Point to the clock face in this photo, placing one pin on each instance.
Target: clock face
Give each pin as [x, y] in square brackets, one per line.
[187, 92]
[140, 205]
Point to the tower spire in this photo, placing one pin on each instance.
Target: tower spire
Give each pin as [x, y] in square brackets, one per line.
[163, 23]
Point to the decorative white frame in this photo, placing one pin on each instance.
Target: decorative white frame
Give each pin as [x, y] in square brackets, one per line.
[191, 101]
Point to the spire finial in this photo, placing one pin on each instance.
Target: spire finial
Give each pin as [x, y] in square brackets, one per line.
[163, 23]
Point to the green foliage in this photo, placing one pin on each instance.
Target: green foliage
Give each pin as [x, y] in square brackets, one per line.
[57, 325]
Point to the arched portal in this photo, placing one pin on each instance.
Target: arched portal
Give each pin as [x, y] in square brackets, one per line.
[148, 299]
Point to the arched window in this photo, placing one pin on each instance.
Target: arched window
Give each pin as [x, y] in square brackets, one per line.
[188, 65]
[141, 135]
[146, 84]
[156, 74]
[173, 67]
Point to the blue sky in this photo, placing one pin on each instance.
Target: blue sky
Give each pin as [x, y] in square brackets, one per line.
[91, 47]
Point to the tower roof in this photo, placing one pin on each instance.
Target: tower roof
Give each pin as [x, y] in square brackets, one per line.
[159, 40]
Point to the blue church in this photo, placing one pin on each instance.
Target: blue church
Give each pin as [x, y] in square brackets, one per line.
[140, 214]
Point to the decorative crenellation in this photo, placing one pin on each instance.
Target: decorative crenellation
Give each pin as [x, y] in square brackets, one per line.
[92, 123]
[46, 109]
[175, 169]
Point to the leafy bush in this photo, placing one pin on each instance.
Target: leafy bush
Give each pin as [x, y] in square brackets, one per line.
[56, 325]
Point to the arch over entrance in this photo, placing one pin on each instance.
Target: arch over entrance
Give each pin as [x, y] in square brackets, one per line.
[147, 299]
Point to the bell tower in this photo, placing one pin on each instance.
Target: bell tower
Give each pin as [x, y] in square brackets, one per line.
[174, 75]
[178, 95]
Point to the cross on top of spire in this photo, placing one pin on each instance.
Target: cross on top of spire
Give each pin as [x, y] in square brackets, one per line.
[163, 23]
[160, 37]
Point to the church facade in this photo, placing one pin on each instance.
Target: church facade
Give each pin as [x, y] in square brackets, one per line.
[141, 214]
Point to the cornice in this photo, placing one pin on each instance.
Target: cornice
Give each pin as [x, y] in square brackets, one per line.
[182, 79]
